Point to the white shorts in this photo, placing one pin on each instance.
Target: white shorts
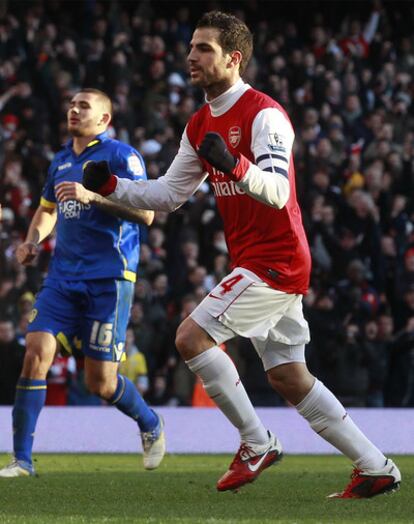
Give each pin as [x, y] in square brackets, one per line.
[242, 304]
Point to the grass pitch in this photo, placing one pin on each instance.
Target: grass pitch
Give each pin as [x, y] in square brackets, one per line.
[115, 488]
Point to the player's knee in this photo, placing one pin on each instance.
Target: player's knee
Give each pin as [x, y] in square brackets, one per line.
[279, 383]
[287, 389]
[291, 382]
[35, 364]
[191, 339]
[102, 387]
[39, 355]
[184, 341]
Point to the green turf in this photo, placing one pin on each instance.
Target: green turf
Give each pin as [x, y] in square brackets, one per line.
[114, 488]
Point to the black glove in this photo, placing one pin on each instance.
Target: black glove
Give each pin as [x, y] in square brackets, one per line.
[214, 149]
[96, 175]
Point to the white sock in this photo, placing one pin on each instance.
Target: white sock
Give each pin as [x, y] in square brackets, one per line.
[222, 384]
[329, 419]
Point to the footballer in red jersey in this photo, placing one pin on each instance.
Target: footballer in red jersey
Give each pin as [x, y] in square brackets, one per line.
[241, 141]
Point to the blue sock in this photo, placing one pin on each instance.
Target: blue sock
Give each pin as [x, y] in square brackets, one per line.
[30, 398]
[127, 399]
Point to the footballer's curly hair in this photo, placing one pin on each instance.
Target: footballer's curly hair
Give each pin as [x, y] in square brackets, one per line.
[234, 34]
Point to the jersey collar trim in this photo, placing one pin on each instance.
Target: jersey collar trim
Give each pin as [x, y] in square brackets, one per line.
[97, 140]
[221, 104]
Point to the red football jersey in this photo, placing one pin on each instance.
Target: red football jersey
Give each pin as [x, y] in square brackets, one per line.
[270, 242]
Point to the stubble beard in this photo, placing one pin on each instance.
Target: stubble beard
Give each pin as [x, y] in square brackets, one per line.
[75, 132]
[78, 132]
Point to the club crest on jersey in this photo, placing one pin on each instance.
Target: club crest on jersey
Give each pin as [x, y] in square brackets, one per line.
[135, 165]
[234, 136]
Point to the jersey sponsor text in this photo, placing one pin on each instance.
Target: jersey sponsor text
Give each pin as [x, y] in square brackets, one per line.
[72, 208]
[226, 189]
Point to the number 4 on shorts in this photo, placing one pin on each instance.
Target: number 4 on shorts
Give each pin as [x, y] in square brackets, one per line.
[229, 284]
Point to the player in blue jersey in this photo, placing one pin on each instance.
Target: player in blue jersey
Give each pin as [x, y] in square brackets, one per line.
[89, 287]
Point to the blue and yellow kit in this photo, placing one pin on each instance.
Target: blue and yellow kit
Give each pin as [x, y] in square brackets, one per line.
[89, 288]
[90, 243]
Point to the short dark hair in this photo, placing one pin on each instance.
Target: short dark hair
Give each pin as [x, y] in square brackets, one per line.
[234, 34]
[107, 102]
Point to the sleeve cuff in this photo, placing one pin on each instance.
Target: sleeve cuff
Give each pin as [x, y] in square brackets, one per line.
[241, 168]
[109, 186]
[47, 203]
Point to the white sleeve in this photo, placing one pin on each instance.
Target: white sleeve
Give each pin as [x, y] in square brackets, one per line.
[168, 192]
[272, 139]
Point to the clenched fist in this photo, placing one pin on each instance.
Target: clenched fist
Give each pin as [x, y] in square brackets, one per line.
[97, 177]
[214, 149]
[74, 191]
[26, 253]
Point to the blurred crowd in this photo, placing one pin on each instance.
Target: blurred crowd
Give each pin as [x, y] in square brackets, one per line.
[347, 81]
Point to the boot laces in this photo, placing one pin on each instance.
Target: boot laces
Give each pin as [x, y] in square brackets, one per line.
[354, 476]
[245, 452]
[149, 437]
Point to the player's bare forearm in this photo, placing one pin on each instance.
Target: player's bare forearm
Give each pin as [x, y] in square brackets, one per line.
[42, 224]
[75, 191]
[138, 216]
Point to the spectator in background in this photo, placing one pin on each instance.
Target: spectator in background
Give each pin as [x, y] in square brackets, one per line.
[179, 380]
[348, 370]
[159, 393]
[405, 308]
[134, 366]
[59, 378]
[377, 353]
[401, 371]
[78, 394]
[405, 280]
[357, 42]
[144, 333]
[325, 321]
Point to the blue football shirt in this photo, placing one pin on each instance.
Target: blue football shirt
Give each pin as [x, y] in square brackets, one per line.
[90, 243]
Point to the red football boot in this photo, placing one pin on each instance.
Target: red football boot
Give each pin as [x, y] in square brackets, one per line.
[367, 484]
[249, 462]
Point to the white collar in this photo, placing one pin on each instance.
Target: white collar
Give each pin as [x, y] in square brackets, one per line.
[222, 103]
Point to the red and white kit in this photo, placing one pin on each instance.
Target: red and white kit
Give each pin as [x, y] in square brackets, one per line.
[261, 216]
[262, 297]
